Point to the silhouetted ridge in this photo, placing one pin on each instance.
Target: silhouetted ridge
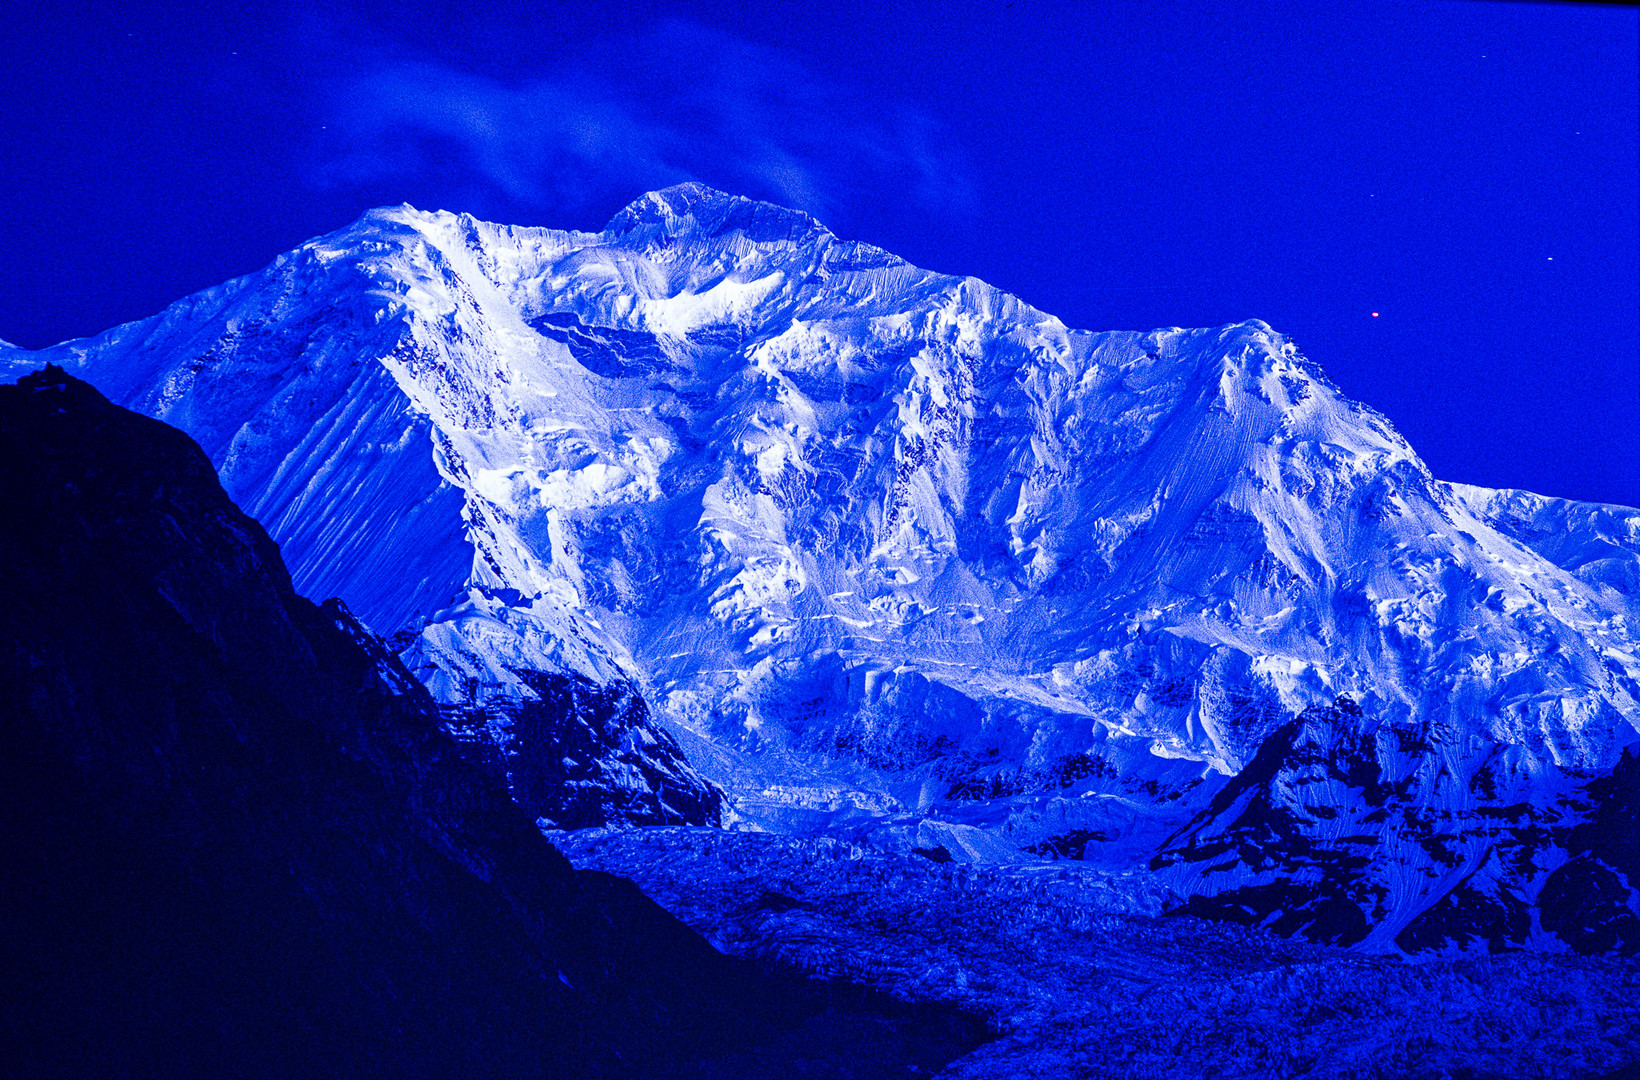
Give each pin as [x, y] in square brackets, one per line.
[237, 842]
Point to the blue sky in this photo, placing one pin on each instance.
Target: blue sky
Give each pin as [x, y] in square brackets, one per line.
[1468, 170]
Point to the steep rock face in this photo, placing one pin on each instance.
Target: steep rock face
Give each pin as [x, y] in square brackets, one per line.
[1345, 830]
[299, 383]
[892, 552]
[237, 842]
[1348, 827]
[1593, 900]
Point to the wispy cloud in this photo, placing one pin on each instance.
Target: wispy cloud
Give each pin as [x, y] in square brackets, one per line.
[680, 102]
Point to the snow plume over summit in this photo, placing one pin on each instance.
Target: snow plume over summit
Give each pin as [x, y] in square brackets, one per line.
[891, 555]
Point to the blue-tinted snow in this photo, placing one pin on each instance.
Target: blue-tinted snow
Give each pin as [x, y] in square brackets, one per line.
[895, 555]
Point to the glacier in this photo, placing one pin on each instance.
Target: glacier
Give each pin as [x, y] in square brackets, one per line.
[1081, 975]
[715, 518]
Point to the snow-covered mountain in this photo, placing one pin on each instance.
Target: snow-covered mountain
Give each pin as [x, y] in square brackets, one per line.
[798, 533]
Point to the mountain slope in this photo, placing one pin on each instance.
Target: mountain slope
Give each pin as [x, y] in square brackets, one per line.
[893, 554]
[288, 380]
[237, 843]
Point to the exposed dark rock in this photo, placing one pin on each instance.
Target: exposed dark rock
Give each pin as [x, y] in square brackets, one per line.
[1324, 913]
[1319, 891]
[1070, 845]
[1590, 907]
[237, 841]
[1491, 914]
[1612, 831]
[1590, 902]
[559, 766]
[581, 754]
[610, 352]
[1313, 815]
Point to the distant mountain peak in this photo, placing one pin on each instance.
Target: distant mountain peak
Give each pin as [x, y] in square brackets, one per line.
[693, 209]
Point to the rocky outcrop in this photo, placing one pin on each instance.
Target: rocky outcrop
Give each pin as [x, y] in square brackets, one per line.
[1345, 831]
[577, 753]
[1593, 901]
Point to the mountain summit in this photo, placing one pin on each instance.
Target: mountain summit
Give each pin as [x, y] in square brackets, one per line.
[715, 515]
[697, 212]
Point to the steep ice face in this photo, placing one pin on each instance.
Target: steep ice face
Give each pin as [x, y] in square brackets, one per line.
[889, 550]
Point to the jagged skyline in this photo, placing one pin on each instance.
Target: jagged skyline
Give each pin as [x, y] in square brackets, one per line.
[713, 516]
[1467, 171]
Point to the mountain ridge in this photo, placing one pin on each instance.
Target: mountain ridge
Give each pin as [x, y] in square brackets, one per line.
[237, 841]
[887, 552]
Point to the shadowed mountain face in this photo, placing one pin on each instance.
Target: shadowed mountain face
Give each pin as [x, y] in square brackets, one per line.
[237, 841]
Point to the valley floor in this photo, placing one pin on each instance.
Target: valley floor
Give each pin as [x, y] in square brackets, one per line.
[1081, 975]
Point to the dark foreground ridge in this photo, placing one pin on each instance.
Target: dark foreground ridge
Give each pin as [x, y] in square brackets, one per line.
[237, 843]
